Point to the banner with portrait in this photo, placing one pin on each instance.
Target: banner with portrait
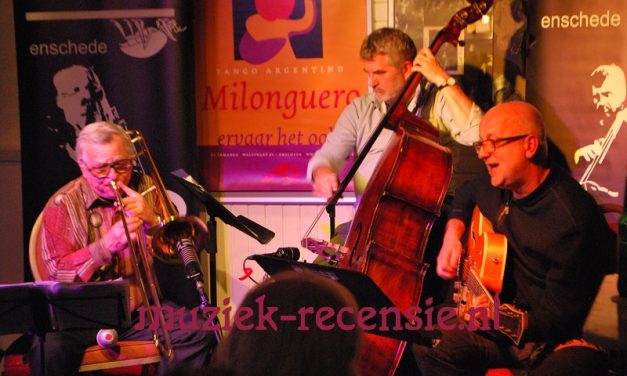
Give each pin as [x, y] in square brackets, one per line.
[273, 78]
[125, 62]
[576, 76]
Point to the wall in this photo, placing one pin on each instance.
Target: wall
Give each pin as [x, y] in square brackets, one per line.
[10, 189]
[289, 222]
[11, 264]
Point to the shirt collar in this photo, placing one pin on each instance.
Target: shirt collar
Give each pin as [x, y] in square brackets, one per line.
[541, 189]
[92, 200]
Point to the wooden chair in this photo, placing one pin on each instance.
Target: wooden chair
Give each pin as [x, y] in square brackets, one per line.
[126, 358]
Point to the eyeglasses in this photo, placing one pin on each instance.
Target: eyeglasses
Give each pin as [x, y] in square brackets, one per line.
[489, 145]
[121, 167]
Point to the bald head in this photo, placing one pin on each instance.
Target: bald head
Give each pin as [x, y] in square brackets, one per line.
[513, 147]
[516, 118]
[520, 117]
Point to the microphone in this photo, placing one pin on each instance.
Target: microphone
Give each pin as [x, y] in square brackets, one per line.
[187, 252]
[290, 253]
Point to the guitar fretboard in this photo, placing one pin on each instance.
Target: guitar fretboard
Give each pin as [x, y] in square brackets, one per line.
[475, 286]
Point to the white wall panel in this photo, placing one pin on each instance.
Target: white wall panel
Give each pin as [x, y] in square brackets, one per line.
[288, 222]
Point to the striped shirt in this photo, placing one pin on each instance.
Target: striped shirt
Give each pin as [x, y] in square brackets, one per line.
[71, 243]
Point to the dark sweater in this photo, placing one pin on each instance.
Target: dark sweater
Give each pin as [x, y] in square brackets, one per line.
[559, 245]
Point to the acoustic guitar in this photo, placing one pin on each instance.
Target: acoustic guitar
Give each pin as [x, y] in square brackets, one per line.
[480, 278]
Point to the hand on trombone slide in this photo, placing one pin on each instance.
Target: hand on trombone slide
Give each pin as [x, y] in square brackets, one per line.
[135, 205]
[137, 212]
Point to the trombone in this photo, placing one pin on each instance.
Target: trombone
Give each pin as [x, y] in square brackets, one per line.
[146, 280]
[175, 239]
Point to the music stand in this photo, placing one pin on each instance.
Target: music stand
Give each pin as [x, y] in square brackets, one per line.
[363, 288]
[48, 306]
[216, 210]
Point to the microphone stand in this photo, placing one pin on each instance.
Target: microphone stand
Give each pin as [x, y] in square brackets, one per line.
[212, 250]
[188, 253]
[204, 302]
[216, 210]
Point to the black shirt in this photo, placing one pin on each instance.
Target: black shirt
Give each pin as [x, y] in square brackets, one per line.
[559, 245]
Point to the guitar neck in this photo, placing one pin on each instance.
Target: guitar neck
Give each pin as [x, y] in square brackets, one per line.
[510, 320]
[474, 285]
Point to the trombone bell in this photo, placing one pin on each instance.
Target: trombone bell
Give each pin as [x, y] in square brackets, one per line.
[167, 236]
[172, 227]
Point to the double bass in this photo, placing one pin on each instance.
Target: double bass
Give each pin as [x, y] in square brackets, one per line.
[391, 227]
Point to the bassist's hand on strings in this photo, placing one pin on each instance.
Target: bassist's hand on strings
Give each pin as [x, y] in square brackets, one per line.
[462, 109]
[325, 181]
[426, 64]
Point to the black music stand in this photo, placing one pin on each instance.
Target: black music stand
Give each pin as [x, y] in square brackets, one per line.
[43, 307]
[363, 288]
[216, 210]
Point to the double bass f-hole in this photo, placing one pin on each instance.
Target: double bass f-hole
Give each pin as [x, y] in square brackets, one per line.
[354, 257]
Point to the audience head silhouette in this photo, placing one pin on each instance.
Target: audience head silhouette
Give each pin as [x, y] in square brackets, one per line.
[304, 346]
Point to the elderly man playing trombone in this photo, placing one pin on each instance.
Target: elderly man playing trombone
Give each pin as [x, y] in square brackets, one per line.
[83, 239]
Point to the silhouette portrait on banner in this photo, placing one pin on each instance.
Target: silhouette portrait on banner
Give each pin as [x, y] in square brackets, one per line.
[609, 92]
[82, 98]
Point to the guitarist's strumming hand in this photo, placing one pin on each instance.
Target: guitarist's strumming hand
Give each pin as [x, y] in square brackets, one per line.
[451, 251]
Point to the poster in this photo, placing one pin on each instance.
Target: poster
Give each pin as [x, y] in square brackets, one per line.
[576, 76]
[272, 78]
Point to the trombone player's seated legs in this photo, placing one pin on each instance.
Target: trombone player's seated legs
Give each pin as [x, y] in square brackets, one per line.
[192, 345]
[63, 352]
[94, 229]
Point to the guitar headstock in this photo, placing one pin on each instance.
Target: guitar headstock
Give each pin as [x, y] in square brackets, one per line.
[511, 322]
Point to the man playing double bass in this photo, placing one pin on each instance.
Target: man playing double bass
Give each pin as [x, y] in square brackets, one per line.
[388, 57]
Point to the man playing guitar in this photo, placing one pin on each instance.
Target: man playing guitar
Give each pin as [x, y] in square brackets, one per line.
[558, 246]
